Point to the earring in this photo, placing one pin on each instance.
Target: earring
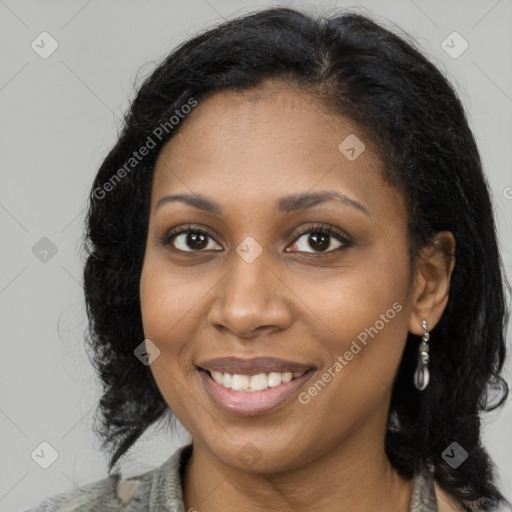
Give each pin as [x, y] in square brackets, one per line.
[421, 375]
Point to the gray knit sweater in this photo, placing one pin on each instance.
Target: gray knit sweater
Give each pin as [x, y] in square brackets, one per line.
[160, 490]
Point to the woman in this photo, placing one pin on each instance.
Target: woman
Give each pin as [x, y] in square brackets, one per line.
[292, 248]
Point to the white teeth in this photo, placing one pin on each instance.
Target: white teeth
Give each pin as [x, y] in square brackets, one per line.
[258, 382]
[226, 380]
[274, 379]
[240, 382]
[217, 377]
[250, 383]
[286, 377]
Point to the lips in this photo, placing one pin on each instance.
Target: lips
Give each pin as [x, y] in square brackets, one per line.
[254, 366]
[230, 383]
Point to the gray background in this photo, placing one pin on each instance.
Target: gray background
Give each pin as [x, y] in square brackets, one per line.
[60, 116]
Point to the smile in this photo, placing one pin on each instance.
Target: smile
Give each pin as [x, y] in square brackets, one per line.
[250, 383]
[248, 387]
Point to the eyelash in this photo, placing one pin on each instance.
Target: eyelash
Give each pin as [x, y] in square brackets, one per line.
[323, 229]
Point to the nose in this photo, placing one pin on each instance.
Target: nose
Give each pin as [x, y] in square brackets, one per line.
[252, 300]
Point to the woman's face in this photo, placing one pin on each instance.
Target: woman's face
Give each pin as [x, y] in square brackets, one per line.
[255, 293]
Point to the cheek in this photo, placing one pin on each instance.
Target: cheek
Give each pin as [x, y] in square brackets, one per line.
[363, 314]
[167, 308]
[168, 301]
[345, 303]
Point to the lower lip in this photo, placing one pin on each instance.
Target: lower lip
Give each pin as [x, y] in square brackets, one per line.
[251, 403]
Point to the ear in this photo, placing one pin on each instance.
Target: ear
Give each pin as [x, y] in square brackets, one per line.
[432, 282]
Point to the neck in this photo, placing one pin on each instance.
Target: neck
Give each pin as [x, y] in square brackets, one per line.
[353, 476]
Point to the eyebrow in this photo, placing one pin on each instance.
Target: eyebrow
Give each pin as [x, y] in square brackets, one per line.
[285, 204]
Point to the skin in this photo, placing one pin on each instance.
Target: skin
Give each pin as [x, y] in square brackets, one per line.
[245, 150]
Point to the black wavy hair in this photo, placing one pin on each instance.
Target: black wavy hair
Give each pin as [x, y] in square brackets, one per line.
[417, 125]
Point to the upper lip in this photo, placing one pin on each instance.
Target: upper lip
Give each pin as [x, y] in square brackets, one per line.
[254, 366]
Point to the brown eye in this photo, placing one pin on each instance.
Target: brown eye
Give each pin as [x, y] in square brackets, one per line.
[190, 240]
[321, 240]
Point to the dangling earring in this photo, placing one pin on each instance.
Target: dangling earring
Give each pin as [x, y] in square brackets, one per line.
[421, 375]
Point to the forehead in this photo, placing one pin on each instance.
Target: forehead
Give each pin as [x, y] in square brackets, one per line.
[231, 119]
[264, 142]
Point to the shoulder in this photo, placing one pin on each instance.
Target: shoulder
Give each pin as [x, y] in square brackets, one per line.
[116, 494]
[96, 496]
[428, 496]
[446, 503]
[107, 495]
